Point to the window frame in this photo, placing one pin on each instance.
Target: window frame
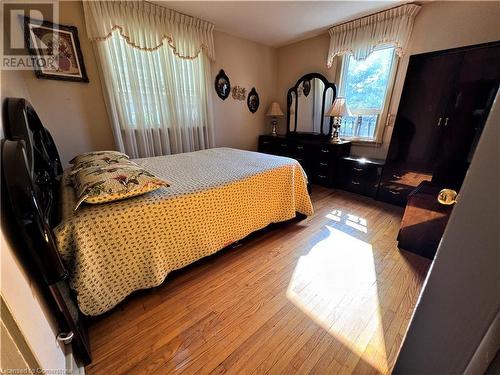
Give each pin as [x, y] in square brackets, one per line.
[382, 121]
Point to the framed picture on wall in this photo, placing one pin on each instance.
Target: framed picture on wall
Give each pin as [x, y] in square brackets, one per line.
[55, 50]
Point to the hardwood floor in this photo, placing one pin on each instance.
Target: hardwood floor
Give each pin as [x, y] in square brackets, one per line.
[326, 295]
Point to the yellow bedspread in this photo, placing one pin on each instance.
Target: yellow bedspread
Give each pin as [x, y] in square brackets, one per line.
[216, 197]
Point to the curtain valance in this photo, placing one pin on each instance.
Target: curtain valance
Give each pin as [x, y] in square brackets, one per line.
[148, 26]
[361, 36]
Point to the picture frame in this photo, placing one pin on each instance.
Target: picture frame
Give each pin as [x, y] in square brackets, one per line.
[253, 101]
[222, 85]
[55, 50]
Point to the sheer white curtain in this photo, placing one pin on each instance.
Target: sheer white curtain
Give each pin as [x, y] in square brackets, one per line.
[362, 36]
[155, 67]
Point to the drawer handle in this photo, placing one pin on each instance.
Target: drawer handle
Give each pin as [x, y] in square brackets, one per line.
[283, 145]
[355, 183]
[323, 164]
[300, 147]
[326, 151]
[394, 192]
[358, 169]
[321, 176]
[266, 142]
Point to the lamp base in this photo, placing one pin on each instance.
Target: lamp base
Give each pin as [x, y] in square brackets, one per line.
[274, 123]
[335, 138]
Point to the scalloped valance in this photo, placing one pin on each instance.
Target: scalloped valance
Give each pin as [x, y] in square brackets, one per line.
[361, 37]
[148, 26]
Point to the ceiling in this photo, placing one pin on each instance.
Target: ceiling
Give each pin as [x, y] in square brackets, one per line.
[276, 23]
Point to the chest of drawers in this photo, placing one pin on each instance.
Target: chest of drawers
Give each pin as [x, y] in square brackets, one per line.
[318, 157]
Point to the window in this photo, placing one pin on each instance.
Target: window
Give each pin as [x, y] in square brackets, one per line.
[365, 85]
[142, 84]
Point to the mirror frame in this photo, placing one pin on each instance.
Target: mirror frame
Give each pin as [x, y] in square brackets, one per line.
[294, 89]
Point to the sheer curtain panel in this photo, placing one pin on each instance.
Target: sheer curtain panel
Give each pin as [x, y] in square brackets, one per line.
[155, 69]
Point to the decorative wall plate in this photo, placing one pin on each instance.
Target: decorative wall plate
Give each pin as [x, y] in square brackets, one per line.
[222, 85]
[253, 100]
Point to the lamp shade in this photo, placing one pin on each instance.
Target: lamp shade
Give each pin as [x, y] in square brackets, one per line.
[338, 108]
[274, 110]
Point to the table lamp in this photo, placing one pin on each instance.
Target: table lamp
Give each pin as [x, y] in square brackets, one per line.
[338, 109]
[274, 111]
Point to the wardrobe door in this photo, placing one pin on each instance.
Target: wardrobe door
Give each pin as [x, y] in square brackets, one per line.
[418, 128]
[477, 84]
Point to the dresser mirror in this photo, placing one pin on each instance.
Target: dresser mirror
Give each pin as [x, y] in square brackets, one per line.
[307, 103]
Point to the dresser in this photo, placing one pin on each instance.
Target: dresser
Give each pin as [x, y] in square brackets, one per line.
[317, 155]
[359, 175]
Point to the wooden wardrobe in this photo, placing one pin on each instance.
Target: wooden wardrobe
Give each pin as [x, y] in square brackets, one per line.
[446, 99]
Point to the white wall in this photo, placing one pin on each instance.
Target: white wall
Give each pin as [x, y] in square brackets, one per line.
[247, 64]
[461, 296]
[74, 112]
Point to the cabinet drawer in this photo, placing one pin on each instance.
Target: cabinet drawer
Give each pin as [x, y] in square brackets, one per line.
[321, 178]
[268, 144]
[394, 194]
[297, 151]
[322, 165]
[282, 148]
[323, 153]
[266, 147]
[355, 185]
[358, 177]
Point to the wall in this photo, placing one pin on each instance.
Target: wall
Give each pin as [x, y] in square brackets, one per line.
[247, 64]
[73, 112]
[76, 115]
[439, 25]
[460, 298]
[297, 59]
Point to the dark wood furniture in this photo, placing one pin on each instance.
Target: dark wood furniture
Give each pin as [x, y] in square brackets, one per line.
[359, 175]
[446, 99]
[308, 130]
[424, 220]
[316, 154]
[31, 173]
[306, 104]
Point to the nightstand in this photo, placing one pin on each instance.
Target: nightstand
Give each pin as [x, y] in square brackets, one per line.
[359, 175]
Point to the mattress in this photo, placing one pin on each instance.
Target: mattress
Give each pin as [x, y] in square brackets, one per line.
[216, 197]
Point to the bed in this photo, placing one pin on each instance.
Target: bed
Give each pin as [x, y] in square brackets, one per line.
[216, 197]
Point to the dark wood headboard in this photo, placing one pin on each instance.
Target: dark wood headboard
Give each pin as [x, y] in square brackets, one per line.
[31, 177]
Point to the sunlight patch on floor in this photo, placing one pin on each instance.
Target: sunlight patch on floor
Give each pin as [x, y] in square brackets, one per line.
[350, 220]
[335, 285]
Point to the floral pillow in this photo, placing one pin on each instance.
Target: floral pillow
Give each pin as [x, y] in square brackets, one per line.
[99, 161]
[113, 182]
[95, 155]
